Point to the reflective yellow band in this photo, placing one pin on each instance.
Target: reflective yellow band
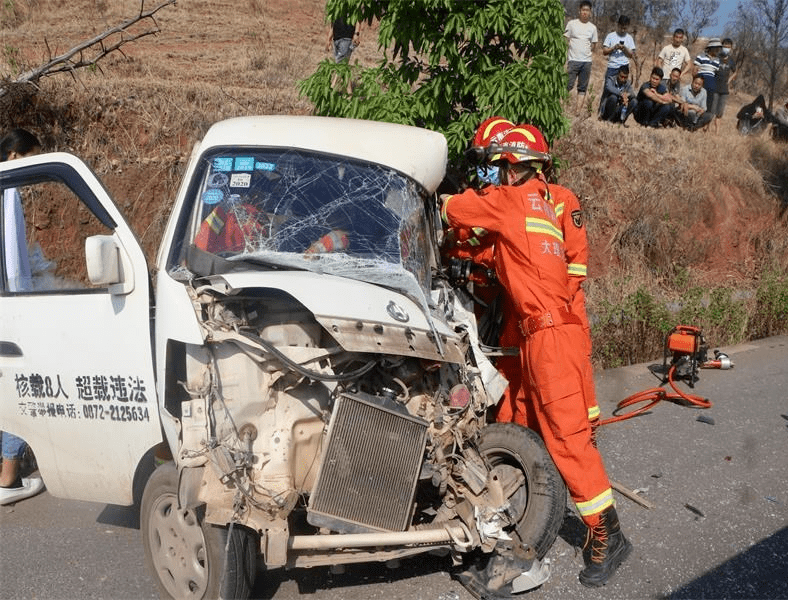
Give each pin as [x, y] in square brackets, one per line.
[596, 505]
[473, 241]
[559, 209]
[444, 214]
[543, 226]
[480, 231]
[489, 127]
[593, 412]
[214, 222]
[577, 269]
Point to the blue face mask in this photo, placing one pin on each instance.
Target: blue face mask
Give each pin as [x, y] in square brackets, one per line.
[489, 174]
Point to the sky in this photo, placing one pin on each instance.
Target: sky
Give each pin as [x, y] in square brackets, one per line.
[724, 13]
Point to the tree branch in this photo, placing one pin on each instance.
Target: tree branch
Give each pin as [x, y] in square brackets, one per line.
[75, 58]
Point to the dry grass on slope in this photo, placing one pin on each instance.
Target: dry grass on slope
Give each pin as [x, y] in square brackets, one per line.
[669, 213]
[681, 226]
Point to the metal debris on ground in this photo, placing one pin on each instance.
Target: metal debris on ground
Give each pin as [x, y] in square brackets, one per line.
[697, 511]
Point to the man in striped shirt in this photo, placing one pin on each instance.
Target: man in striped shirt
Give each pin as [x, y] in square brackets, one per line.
[706, 65]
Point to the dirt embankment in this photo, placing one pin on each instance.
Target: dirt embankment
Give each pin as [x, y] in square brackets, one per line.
[658, 202]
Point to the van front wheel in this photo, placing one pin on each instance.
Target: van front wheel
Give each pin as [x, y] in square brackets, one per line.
[189, 558]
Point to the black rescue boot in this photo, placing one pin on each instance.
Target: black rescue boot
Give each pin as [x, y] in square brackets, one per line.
[606, 549]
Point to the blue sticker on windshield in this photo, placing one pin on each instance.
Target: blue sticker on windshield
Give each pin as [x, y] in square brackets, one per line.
[212, 196]
[244, 163]
[264, 166]
[223, 163]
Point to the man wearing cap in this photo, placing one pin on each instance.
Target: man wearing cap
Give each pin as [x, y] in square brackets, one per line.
[706, 65]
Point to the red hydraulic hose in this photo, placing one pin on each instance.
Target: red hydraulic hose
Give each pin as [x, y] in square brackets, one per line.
[653, 396]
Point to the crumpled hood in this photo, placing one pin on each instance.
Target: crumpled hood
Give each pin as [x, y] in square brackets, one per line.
[362, 317]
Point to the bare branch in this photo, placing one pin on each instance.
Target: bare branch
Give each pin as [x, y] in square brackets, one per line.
[75, 58]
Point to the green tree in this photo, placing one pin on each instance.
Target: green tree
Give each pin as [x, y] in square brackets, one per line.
[450, 64]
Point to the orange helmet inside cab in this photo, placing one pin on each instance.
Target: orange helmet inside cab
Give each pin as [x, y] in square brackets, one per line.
[524, 143]
[491, 131]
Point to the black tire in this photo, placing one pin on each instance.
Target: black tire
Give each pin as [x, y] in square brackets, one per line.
[542, 503]
[539, 507]
[186, 556]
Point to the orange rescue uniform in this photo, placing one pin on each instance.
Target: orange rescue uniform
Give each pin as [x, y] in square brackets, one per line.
[567, 209]
[530, 261]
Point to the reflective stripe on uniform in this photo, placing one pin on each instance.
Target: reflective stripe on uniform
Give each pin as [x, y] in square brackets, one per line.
[596, 505]
[480, 231]
[593, 412]
[444, 214]
[559, 209]
[577, 269]
[543, 226]
[215, 222]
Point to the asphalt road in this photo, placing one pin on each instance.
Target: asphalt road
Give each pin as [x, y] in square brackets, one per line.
[718, 529]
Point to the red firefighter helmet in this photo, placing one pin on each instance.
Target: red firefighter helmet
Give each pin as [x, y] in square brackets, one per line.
[522, 144]
[491, 131]
[540, 145]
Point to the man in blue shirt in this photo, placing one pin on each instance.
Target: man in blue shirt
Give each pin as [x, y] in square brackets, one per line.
[619, 47]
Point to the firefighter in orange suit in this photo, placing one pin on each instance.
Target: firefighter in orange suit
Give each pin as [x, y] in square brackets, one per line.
[530, 263]
[232, 226]
[567, 209]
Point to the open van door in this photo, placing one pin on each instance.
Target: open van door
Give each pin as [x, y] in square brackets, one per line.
[76, 360]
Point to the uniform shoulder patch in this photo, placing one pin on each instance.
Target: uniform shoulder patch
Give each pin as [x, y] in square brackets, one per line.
[577, 218]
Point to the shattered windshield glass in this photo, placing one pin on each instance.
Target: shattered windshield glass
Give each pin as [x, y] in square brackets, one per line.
[328, 214]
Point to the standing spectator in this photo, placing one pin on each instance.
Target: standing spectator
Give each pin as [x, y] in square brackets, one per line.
[582, 36]
[619, 47]
[674, 56]
[17, 143]
[693, 113]
[344, 37]
[706, 65]
[726, 74]
[618, 98]
[654, 103]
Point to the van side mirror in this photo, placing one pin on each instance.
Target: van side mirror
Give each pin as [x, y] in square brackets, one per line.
[108, 265]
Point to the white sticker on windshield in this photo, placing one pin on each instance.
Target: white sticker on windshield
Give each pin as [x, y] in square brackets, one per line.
[241, 180]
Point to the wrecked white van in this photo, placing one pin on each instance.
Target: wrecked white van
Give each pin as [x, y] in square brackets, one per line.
[307, 376]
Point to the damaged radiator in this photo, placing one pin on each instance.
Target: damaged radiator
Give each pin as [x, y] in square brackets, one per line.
[369, 471]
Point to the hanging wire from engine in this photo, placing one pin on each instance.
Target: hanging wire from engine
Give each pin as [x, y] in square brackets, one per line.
[314, 375]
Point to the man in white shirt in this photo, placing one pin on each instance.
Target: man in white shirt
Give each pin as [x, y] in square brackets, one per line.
[675, 55]
[582, 36]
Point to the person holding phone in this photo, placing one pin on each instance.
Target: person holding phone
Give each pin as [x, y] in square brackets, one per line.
[619, 47]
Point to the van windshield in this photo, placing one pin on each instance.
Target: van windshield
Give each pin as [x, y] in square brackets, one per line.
[297, 209]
